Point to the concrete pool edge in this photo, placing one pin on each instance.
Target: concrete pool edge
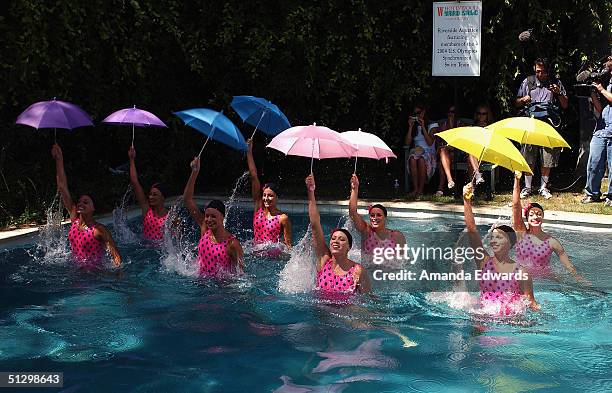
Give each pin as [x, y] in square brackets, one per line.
[585, 222]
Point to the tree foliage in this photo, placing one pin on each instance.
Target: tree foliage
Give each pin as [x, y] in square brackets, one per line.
[342, 63]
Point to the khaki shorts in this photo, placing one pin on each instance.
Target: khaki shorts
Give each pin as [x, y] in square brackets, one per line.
[549, 156]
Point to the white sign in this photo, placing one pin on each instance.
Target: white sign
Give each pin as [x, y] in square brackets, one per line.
[456, 38]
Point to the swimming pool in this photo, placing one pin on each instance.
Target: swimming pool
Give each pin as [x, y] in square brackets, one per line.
[155, 328]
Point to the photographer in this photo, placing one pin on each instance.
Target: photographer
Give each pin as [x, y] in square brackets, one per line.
[548, 94]
[601, 143]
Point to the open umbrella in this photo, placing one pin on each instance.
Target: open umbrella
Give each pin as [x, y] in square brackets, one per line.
[314, 142]
[54, 114]
[135, 117]
[368, 146]
[214, 125]
[487, 146]
[530, 131]
[260, 113]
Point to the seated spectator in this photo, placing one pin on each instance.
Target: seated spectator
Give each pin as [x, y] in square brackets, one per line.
[422, 155]
[482, 118]
[445, 152]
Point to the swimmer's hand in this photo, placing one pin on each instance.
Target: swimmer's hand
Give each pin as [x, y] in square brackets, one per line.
[354, 182]
[195, 164]
[116, 260]
[132, 153]
[518, 174]
[56, 152]
[581, 279]
[310, 182]
[468, 191]
[535, 306]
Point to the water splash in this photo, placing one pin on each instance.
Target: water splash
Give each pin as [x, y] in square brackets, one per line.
[233, 212]
[52, 246]
[177, 248]
[355, 252]
[298, 275]
[123, 233]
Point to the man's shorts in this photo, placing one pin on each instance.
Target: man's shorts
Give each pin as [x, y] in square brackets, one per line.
[549, 156]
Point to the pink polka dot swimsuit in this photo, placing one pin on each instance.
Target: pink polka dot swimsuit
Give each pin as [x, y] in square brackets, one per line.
[500, 297]
[535, 257]
[266, 230]
[214, 258]
[372, 241]
[332, 285]
[153, 226]
[86, 249]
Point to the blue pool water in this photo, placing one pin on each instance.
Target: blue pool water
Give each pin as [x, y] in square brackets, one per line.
[155, 328]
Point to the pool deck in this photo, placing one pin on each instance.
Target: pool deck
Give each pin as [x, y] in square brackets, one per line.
[584, 222]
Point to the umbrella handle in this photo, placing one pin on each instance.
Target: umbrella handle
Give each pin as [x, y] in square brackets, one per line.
[205, 142]
[477, 169]
[55, 135]
[355, 170]
[260, 119]
[312, 156]
[132, 134]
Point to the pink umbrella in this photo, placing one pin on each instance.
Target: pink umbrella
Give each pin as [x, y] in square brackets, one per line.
[369, 146]
[312, 141]
[135, 117]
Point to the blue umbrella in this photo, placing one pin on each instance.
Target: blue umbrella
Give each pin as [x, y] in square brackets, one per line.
[260, 113]
[214, 125]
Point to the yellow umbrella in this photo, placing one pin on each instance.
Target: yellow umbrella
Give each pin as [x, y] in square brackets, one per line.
[487, 146]
[530, 131]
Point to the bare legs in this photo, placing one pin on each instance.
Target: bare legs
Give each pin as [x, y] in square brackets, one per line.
[445, 175]
[418, 174]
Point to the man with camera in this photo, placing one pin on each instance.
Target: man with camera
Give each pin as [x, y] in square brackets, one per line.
[541, 96]
[600, 149]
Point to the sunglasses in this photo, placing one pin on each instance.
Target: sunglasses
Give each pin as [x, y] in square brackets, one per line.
[451, 111]
[482, 113]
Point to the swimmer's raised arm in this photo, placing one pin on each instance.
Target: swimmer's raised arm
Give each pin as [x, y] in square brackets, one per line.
[62, 181]
[318, 239]
[255, 184]
[470, 223]
[517, 209]
[188, 193]
[138, 191]
[359, 222]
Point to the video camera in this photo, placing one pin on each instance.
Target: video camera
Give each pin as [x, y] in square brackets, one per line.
[591, 74]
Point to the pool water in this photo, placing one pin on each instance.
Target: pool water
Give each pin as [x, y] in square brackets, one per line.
[154, 327]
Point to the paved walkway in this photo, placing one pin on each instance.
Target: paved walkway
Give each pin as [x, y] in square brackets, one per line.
[420, 210]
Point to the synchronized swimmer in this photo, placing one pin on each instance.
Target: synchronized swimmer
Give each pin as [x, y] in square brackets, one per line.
[268, 221]
[88, 239]
[154, 211]
[506, 285]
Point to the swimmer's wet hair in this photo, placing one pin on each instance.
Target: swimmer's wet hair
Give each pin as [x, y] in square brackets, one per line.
[217, 205]
[378, 206]
[163, 189]
[271, 186]
[346, 232]
[510, 232]
[91, 196]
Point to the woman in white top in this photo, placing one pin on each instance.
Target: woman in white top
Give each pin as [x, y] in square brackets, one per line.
[482, 118]
[422, 155]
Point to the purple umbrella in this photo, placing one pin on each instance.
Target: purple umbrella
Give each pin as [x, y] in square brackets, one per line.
[54, 114]
[135, 117]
